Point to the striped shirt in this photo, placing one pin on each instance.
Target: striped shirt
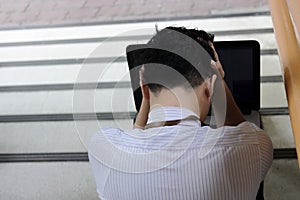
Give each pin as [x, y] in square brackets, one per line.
[183, 161]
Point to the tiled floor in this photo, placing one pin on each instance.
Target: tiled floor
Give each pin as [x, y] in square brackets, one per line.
[24, 13]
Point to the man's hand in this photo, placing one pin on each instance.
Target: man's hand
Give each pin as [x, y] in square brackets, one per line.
[144, 87]
[217, 65]
[142, 117]
[233, 114]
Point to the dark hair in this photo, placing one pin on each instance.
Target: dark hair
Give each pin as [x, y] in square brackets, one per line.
[178, 48]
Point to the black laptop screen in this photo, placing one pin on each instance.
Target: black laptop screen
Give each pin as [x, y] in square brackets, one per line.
[241, 63]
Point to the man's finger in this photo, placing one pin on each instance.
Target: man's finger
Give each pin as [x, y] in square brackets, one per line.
[213, 80]
[213, 64]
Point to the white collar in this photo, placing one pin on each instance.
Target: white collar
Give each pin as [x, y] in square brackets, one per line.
[169, 113]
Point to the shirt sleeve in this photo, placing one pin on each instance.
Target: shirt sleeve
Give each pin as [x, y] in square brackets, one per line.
[266, 153]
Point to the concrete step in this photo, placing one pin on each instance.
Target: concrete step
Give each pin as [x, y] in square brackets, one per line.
[102, 49]
[49, 102]
[283, 180]
[128, 29]
[272, 95]
[280, 131]
[35, 137]
[57, 74]
[74, 180]
[33, 181]
[270, 65]
[100, 100]
[60, 136]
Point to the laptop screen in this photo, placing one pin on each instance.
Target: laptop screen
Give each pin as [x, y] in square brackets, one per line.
[241, 63]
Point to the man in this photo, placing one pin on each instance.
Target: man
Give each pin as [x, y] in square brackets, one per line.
[170, 154]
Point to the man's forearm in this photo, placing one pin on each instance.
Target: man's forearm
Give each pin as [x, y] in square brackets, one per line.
[142, 117]
[233, 115]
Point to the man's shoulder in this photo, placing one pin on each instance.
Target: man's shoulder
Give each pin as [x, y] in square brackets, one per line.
[251, 128]
[244, 133]
[245, 127]
[116, 136]
[108, 134]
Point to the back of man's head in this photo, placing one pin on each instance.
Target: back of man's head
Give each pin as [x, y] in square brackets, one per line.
[178, 57]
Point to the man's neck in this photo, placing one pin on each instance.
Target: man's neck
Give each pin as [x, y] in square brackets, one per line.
[177, 97]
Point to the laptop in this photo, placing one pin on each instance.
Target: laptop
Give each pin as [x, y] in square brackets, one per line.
[241, 63]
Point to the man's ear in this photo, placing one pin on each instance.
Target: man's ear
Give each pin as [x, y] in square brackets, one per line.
[207, 92]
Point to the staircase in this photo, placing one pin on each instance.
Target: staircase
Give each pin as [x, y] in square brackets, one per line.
[44, 71]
